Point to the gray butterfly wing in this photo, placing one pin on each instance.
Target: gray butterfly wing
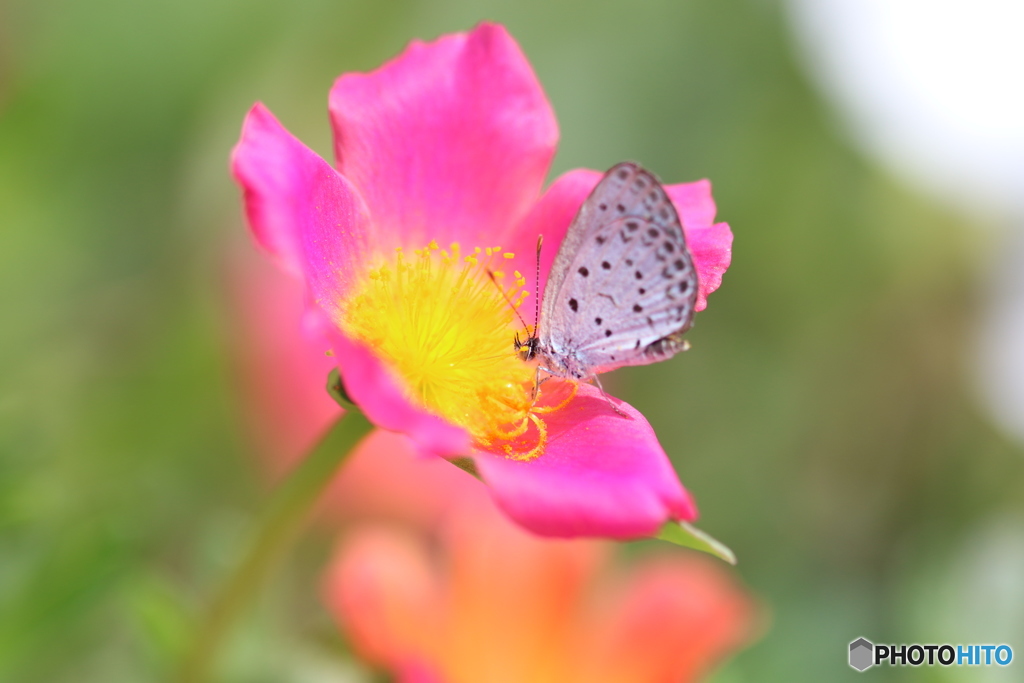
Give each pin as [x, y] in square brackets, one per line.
[623, 286]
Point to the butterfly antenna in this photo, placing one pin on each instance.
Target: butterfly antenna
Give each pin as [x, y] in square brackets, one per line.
[490, 274]
[536, 300]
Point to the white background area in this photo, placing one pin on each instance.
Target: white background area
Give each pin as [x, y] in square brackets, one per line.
[934, 90]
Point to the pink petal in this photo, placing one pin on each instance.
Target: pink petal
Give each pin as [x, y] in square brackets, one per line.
[301, 210]
[451, 140]
[381, 397]
[602, 474]
[693, 202]
[710, 243]
[417, 672]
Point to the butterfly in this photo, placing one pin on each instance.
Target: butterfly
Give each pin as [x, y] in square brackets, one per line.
[623, 285]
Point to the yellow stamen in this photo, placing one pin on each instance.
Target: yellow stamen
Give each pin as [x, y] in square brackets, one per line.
[445, 329]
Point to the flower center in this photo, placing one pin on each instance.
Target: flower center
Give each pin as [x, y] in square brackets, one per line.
[443, 325]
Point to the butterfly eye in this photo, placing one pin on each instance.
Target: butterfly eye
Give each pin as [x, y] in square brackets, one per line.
[527, 350]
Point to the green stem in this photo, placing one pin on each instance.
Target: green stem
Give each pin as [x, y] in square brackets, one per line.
[288, 510]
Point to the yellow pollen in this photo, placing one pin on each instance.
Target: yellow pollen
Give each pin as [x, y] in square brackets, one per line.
[445, 329]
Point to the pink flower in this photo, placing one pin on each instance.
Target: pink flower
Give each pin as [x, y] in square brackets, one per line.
[492, 603]
[442, 153]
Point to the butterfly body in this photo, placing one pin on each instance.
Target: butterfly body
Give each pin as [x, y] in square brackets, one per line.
[623, 285]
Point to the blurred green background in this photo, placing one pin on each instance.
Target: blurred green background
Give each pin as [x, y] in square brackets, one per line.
[825, 419]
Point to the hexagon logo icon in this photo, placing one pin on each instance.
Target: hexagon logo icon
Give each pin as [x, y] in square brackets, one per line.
[861, 654]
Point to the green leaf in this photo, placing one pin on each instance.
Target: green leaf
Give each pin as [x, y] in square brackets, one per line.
[337, 390]
[466, 464]
[690, 536]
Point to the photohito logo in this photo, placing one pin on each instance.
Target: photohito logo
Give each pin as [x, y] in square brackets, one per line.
[864, 654]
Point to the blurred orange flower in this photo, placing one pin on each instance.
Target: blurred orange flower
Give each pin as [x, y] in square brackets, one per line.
[493, 603]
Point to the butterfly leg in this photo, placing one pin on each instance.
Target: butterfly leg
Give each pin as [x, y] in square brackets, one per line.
[608, 398]
[537, 381]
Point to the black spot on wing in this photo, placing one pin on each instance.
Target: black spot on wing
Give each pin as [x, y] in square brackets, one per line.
[680, 288]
